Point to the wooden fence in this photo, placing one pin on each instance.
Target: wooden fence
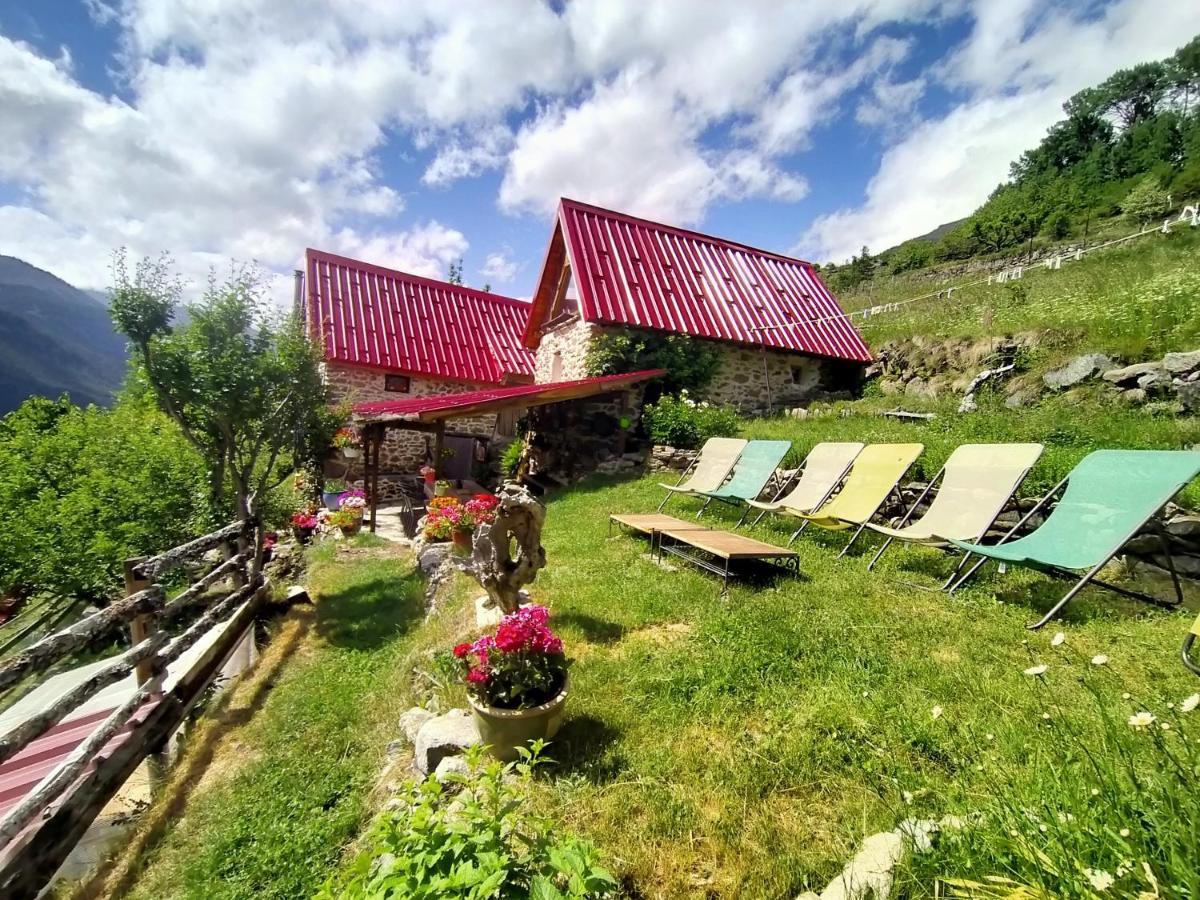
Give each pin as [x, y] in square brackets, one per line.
[39, 832]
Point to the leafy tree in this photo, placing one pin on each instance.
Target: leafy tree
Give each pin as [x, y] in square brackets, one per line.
[915, 254]
[1133, 95]
[1145, 201]
[454, 271]
[690, 364]
[240, 379]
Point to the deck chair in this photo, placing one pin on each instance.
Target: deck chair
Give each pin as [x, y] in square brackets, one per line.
[751, 473]
[824, 468]
[710, 470]
[876, 473]
[1105, 501]
[1192, 665]
[973, 487]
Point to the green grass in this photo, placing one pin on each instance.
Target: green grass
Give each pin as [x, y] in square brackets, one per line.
[1134, 301]
[291, 781]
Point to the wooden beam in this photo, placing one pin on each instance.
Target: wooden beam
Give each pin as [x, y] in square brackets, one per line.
[156, 566]
[143, 625]
[439, 439]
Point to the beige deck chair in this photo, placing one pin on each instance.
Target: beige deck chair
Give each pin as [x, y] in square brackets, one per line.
[977, 481]
[876, 473]
[717, 458]
[824, 468]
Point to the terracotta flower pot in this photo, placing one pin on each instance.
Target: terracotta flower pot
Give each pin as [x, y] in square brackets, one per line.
[462, 542]
[504, 730]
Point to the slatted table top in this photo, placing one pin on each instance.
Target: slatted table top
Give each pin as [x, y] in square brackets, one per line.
[727, 545]
[651, 522]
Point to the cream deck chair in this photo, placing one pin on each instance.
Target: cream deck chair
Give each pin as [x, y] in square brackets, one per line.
[716, 459]
[976, 483]
[824, 468]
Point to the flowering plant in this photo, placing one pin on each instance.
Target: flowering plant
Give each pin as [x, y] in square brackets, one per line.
[481, 509]
[521, 666]
[447, 515]
[304, 520]
[353, 500]
[344, 518]
[345, 437]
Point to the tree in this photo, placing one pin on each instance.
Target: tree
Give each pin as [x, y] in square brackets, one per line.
[454, 271]
[1145, 201]
[1134, 94]
[240, 379]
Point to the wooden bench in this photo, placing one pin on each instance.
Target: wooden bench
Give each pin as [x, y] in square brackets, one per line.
[701, 548]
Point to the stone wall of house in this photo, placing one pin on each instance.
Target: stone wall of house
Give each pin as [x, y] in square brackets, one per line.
[563, 350]
[569, 440]
[403, 452]
[752, 381]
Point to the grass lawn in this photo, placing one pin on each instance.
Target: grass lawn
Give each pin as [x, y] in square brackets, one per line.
[286, 767]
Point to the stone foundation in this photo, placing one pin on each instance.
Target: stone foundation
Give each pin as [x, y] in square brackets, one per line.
[570, 440]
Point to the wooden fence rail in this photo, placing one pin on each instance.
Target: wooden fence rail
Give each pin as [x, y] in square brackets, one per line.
[39, 832]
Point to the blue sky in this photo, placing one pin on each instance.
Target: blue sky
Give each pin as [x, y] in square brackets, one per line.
[410, 134]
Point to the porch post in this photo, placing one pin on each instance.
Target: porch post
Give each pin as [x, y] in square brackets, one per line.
[439, 436]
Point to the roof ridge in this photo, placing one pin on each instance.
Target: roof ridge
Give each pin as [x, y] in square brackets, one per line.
[489, 296]
[677, 229]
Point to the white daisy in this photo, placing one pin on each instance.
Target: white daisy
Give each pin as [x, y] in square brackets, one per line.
[1141, 720]
[936, 712]
[1099, 660]
[1099, 879]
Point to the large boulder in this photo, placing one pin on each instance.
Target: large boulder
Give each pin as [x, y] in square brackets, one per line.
[443, 736]
[921, 389]
[1189, 396]
[1081, 368]
[1129, 375]
[1180, 364]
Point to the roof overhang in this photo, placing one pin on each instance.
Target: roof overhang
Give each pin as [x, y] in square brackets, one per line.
[491, 400]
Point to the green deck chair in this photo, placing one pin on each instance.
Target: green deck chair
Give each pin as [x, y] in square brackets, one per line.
[1106, 500]
[876, 473]
[973, 487]
[710, 470]
[751, 473]
[824, 468]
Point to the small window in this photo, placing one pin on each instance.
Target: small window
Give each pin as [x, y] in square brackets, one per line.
[797, 374]
[556, 367]
[398, 384]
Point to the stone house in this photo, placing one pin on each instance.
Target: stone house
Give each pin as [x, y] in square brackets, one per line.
[388, 335]
[780, 335]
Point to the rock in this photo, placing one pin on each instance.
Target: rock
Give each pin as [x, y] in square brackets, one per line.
[922, 389]
[1142, 545]
[443, 736]
[1184, 526]
[1081, 368]
[1189, 396]
[298, 594]
[798, 413]
[1182, 363]
[432, 556]
[870, 873]
[451, 765]
[1130, 374]
[1151, 380]
[1018, 399]
[890, 387]
[412, 720]
[1186, 565]
[1133, 396]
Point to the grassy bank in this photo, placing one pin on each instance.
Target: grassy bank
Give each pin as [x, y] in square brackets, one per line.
[288, 765]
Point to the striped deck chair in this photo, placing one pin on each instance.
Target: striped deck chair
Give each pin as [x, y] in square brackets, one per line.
[824, 468]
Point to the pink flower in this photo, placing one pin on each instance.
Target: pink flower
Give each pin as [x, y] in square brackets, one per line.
[477, 676]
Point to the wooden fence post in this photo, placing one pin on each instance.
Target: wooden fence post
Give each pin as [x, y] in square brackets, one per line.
[140, 627]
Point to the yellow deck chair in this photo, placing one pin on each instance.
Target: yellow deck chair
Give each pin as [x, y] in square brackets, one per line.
[976, 483]
[875, 474]
[824, 468]
[712, 467]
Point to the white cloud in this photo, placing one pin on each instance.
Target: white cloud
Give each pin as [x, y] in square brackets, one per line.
[499, 267]
[467, 156]
[1020, 63]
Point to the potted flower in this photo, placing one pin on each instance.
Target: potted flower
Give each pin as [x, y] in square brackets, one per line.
[346, 521]
[353, 500]
[441, 488]
[429, 473]
[443, 520]
[303, 525]
[346, 440]
[516, 681]
[333, 489]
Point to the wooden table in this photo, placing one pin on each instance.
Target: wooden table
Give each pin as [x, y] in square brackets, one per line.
[652, 524]
[725, 547]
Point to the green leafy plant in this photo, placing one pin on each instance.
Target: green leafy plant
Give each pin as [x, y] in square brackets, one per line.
[474, 836]
[681, 422]
[690, 363]
[510, 459]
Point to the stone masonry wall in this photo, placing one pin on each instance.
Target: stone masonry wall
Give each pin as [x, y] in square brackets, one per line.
[404, 451]
[570, 342]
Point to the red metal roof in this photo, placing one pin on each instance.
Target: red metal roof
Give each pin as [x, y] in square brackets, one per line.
[371, 316]
[634, 272]
[448, 406]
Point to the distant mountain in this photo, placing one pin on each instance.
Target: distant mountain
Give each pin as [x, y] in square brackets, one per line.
[54, 339]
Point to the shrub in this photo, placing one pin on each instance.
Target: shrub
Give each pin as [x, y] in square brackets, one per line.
[473, 837]
[510, 459]
[690, 363]
[680, 422]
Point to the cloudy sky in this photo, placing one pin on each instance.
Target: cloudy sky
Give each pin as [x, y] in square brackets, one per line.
[412, 133]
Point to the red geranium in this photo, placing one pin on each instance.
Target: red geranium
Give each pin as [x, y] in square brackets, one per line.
[521, 667]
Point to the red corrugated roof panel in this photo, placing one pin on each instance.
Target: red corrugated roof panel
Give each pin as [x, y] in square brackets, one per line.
[468, 403]
[634, 272]
[371, 316]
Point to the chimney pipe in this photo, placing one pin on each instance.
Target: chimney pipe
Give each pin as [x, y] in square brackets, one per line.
[298, 295]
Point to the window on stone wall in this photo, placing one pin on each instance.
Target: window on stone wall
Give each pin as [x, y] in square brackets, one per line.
[399, 384]
[506, 422]
[797, 374]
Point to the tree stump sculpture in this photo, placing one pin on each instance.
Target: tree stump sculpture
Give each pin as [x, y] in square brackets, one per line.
[508, 552]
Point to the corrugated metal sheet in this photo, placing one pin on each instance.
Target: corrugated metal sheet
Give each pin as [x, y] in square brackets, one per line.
[471, 402]
[630, 271]
[371, 316]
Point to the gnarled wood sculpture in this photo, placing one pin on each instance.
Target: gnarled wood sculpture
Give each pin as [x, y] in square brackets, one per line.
[517, 528]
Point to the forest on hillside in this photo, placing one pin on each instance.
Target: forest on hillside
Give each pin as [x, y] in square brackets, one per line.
[1128, 147]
